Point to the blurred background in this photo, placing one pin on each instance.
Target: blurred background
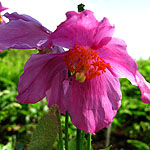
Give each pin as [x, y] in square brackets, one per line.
[131, 127]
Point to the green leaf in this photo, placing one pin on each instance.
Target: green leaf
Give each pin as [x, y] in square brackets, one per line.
[72, 144]
[108, 148]
[45, 134]
[139, 145]
[9, 146]
[1, 146]
[20, 146]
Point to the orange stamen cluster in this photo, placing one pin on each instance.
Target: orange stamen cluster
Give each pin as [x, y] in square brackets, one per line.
[81, 60]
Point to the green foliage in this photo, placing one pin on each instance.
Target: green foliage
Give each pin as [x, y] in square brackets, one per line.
[139, 145]
[72, 144]
[108, 148]
[133, 118]
[45, 134]
[18, 121]
[8, 146]
[144, 68]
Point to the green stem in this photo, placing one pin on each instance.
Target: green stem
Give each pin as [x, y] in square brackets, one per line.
[89, 142]
[60, 137]
[78, 143]
[66, 131]
[108, 133]
[82, 139]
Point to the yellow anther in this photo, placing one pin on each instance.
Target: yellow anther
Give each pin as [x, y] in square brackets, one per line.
[80, 77]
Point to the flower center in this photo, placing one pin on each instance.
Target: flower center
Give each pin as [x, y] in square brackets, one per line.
[85, 63]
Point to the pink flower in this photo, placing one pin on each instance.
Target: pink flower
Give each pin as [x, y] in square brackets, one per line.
[25, 32]
[1, 19]
[95, 60]
[2, 9]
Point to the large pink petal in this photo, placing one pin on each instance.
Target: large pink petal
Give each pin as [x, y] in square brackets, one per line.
[144, 87]
[20, 34]
[48, 47]
[83, 29]
[55, 94]
[121, 63]
[38, 76]
[93, 104]
[124, 66]
[16, 16]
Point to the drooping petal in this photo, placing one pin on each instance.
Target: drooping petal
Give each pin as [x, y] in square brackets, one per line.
[20, 34]
[38, 76]
[48, 47]
[55, 94]
[16, 16]
[124, 66]
[93, 104]
[144, 87]
[121, 63]
[83, 29]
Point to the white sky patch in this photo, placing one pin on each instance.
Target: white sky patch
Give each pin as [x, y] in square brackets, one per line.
[130, 17]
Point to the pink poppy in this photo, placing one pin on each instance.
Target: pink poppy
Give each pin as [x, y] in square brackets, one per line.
[25, 32]
[2, 9]
[1, 19]
[95, 61]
